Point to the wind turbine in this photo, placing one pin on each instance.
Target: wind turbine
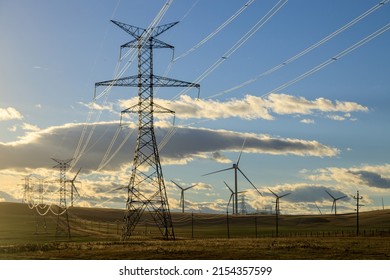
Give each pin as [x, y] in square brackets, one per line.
[182, 194]
[318, 208]
[277, 209]
[73, 187]
[334, 204]
[231, 197]
[236, 168]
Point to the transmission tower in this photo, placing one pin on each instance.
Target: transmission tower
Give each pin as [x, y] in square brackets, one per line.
[62, 226]
[243, 205]
[146, 188]
[26, 189]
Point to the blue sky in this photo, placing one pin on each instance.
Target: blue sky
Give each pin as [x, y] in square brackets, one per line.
[327, 131]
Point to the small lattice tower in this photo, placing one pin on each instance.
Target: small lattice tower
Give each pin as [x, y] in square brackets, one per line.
[146, 188]
[62, 214]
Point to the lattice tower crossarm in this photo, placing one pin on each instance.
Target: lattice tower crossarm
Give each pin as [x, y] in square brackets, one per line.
[146, 188]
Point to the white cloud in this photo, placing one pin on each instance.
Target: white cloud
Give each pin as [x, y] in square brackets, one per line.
[336, 117]
[13, 128]
[9, 113]
[98, 107]
[373, 177]
[288, 104]
[307, 121]
[29, 127]
[252, 107]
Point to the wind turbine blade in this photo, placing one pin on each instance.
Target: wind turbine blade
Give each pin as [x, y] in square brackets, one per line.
[284, 195]
[218, 171]
[190, 187]
[330, 194]
[76, 174]
[230, 199]
[241, 192]
[242, 148]
[117, 189]
[74, 187]
[341, 197]
[177, 185]
[229, 188]
[249, 181]
[273, 192]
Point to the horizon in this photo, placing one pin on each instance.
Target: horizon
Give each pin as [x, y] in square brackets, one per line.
[304, 91]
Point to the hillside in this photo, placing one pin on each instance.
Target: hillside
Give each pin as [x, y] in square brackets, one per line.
[95, 234]
[19, 224]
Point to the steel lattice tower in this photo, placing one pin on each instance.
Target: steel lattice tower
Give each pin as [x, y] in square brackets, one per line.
[63, 166]
[146, 189]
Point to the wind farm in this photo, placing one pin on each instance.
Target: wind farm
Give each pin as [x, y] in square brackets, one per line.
[270, 98]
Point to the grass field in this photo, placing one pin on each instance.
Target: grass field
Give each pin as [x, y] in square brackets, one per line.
[96, 233]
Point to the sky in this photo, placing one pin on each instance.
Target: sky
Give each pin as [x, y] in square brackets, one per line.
[302, 84]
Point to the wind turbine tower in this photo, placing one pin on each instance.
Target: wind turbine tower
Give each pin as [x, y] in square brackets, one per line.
[236, 168]
[73, 187]
[182, 193]
[231, 197]
[334, 204]
[277, 209]
[146, 189]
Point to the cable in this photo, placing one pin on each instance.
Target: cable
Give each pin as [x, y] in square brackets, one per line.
[216, 31]
[305, 51]
[238, 44]
[80, 151]
[102, 165]
[333, 59]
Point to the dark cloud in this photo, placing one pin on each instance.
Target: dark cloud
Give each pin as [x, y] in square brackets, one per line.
[36, 149]
[373, 179]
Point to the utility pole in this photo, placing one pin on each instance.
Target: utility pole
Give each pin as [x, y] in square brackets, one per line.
[146, 189]
[62, 166]
[357, 198]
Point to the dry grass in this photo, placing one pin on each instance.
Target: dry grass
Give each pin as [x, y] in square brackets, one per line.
[263, 248]
[95, 236]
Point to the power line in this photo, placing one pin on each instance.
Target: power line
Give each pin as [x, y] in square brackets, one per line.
[305, 51]
[216, 31]
[239, 43]
[80, 151]
[331, 60]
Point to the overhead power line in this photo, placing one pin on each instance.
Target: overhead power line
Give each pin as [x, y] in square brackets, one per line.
[80, 148]
[216, 31]
[239, 43]
[331, 60]
[305, 51]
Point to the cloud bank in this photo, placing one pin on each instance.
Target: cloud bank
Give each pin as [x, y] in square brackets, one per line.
[184, 144]
[254, 107]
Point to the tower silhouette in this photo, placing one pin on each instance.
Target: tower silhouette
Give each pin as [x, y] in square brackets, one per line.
[146, 189]
[62, 224]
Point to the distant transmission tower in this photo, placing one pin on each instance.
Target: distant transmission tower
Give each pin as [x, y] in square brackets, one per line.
[243, 205]
[62, 226]
[146, 189]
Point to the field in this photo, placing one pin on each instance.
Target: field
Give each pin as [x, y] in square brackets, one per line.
[95, 234]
